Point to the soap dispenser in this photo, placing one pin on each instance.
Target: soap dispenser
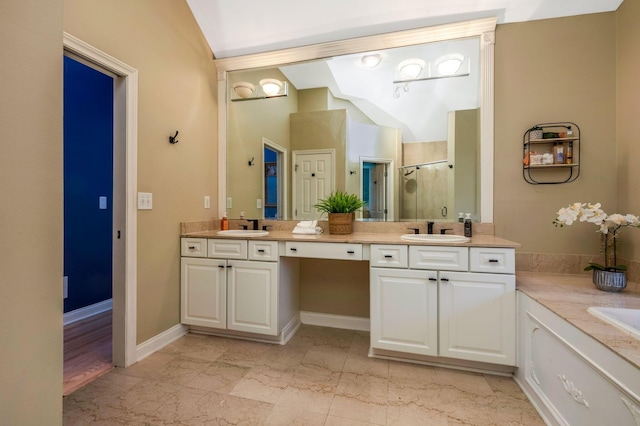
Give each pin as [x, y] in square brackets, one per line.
[224, 223]
[467, 225]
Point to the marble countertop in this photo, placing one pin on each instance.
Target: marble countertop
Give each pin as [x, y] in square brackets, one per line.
[569, 296]
[362, 238]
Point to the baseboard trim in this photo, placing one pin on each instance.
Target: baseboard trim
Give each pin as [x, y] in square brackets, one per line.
[335, 321]
[159, 341]
[87, 311]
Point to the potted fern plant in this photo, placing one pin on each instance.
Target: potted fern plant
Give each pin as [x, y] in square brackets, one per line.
[340, 208]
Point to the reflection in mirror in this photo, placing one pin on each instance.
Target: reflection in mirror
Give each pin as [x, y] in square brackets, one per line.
[399, 127]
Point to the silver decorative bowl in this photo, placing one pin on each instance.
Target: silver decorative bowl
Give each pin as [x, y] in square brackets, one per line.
[612, 281]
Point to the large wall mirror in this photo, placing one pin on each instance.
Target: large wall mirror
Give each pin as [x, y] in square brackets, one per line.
[404, 120]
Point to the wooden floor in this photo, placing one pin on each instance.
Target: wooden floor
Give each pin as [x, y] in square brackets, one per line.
[87, 351]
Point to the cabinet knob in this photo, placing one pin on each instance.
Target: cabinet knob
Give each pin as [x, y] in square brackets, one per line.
[350, 251]
[444, 279]
[493, 261]
[432, 279]
[293, 249]
[192, 247]
[260, 250]
[388, 256]
[221, 266]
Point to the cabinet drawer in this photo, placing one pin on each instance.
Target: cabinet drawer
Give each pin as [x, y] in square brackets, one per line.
[193, 247]
[340, 251]
[263, 250]
[227, 249]
[494, 260]
[389, 256]
[439, 258]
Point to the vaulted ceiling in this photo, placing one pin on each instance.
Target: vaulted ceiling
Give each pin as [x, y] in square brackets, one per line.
[238, 27]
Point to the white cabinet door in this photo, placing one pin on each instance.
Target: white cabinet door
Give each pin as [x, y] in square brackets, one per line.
[203, 292]
[252, 297]
[404, 310]
[477, 317]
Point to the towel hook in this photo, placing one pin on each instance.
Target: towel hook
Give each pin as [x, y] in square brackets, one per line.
[172, 139]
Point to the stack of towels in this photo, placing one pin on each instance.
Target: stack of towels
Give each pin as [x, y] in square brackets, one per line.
[308, 227]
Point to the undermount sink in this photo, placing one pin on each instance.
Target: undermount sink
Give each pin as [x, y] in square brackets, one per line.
[240, 233]
[626, 319]
[436, 238]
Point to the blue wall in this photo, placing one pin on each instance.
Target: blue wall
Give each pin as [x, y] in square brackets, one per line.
[88, 174]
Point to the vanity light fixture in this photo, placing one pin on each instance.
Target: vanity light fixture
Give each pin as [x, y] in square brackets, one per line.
[371, 60]
[449, 64]
[411, 68]
[271, 86]
[244, 89]
[265, 89]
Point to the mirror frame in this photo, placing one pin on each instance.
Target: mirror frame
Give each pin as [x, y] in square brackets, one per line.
[482, 28]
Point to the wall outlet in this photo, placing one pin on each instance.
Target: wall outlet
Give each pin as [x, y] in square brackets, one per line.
[258, 203]
[65, 287]
[229, 202]
[145, 200]
[207, 202]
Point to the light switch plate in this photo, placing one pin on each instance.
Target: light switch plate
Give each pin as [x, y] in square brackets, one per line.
[207, 202]
[229, 202]
[258, 203]
[145, 200]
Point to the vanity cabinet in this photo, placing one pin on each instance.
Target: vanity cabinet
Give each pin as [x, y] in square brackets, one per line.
[236, 290]
[438, 306]
[571, 378]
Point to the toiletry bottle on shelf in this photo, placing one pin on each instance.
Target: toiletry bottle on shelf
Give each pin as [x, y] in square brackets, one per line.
[569, 132]
[569, 155]
[467, 225]
[224, 223]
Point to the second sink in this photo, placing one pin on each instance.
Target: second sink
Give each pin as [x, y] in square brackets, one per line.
[436, 238]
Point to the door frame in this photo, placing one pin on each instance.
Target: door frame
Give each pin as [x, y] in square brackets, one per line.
[294, 158]
[282, 177]
[125, 127]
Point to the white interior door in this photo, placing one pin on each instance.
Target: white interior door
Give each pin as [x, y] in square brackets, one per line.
[313, 180]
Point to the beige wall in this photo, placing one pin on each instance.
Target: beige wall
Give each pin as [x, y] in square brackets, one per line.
[546, 71]
[31, 212]
[177, 91]
[628, 123]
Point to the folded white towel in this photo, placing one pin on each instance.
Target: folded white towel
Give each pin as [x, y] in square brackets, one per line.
[307, 224]
[307, 230]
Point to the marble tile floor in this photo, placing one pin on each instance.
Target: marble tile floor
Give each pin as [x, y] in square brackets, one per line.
[321, 377]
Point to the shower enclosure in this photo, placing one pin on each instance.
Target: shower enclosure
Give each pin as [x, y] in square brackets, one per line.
[424, 191]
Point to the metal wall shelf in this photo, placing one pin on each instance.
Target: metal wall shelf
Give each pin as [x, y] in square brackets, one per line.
[545, 151]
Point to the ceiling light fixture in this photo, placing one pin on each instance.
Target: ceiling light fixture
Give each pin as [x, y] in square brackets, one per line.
[271, 86]
[449, 64]
[371, 61]
[411, 68]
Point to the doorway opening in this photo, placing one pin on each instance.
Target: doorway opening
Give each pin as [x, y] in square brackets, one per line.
[274, 180]
[375, 188]
[124, 213]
